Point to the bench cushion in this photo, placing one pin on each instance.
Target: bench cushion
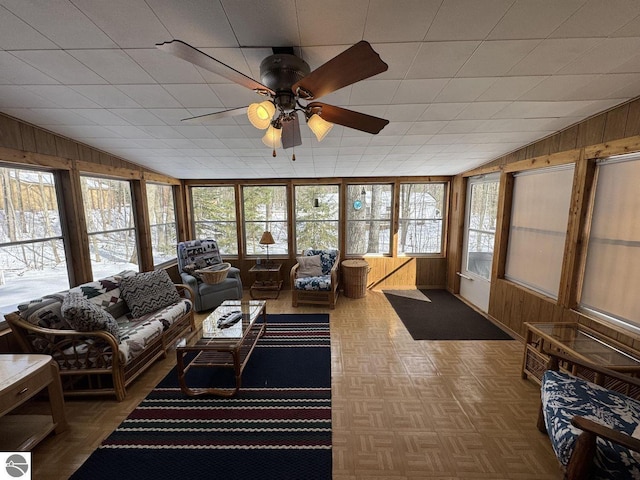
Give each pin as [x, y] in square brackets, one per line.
[565, 396]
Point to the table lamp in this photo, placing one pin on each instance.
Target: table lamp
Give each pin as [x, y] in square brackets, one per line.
[267, 239]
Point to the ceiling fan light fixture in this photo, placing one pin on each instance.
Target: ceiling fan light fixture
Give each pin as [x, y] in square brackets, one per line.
[273, 137]
[319, 126]
[260, 114]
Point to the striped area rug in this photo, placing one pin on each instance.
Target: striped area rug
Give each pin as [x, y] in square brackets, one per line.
[278, 426]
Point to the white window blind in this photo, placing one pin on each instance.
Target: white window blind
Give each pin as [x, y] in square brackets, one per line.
[537, 233]
[612, 269]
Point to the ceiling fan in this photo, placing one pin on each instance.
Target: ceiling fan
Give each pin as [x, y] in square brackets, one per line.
[287, 79]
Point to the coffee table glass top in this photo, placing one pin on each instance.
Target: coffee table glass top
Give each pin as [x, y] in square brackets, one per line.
[586, 343]
[250, 309]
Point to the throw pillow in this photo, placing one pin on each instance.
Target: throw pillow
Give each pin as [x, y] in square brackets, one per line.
[310, 266]
[85, 316]
[148, 292]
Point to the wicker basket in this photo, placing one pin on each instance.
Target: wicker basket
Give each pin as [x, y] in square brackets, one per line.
[215, 273]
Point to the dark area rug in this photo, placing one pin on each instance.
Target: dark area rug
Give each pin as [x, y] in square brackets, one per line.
[446, 317]
[277, 427]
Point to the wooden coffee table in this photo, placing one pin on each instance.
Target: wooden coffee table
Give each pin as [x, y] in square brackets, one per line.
[228, 347]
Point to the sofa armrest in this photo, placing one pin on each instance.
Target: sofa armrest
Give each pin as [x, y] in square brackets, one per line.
[335, 277]
[293, 274]
[600, 373]
[603, 431]
[185, 291]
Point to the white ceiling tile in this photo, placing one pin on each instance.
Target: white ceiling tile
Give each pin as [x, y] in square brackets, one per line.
[264, 24]
[411, 112]
[557, 87]
[14, 70]
[60, 66]
[467, 19]
[534, 19]
[129, 131]
[605, 57]
[129, 23]
[541, 109]
[460, 126]
[14, 96]
[106, 96]
[149, 96]
[481, 110]
[464, 89]
[235, 96]
[441, 59]
[372, 92]
[338, 25]
[15, 34]
[443, 111]
[137, 116]
[419, 91]
[399, 57]
[70, 28]
[62, 96]
[395, 22]
[496, 58]
[101, 116]
[194, 96]
[598, 19]
[202, 24]
[551, 55]
[509, 88]
[113, 65]
[426, 128]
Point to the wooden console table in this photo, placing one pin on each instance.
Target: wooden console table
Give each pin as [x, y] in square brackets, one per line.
[576, 341]
[22, 376]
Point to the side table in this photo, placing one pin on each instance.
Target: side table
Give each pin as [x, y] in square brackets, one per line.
[22, 376]
[267, 282]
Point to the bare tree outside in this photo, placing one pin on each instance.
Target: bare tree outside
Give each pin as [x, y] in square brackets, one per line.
[162, 222]
[214, 216]
[483, 211]
[265, 209]
[420, 223]
[368, 218]
[317, 213]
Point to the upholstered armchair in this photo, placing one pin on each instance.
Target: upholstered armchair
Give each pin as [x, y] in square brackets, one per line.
[198, 254]
[594, 428]
[314, 279]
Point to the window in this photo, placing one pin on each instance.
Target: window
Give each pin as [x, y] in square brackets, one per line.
[32, 255]
[481, 231]
[265, 209]
[110, 225]
[612, 268]
[317, 208]
[214, 215]
[368, 219]
[162, 221]
[538, 228]
[420, 223]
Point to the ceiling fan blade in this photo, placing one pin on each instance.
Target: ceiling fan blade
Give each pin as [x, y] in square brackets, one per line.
[216, 115]
[354, 64]
[193, 55]
[291, 133]
[349, 118]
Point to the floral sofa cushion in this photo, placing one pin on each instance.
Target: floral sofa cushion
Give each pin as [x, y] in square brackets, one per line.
[321, 282]
[327, 258]
[564, 396]
[314, 283]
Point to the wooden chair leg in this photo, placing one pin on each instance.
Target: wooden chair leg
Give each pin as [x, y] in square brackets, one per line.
[581, 461]
[540, 423]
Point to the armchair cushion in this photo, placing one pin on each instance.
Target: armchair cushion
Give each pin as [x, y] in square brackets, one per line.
[85, 316]
[565, 396]
[310, 266]
[327, 258]
[148, 292]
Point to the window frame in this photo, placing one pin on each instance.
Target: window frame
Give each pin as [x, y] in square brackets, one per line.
[296, 220]
[350, 204]
[234, 222]
[285, 222]
[152, 225]
[443, 220]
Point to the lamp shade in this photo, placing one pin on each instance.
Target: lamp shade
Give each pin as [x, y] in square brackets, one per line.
[260, 114]
[319, 126]
[272, 137]
[266, 239]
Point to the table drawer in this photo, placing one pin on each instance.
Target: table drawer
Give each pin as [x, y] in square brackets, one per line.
[24, 389]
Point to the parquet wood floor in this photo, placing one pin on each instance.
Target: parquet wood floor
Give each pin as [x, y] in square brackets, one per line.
[402, 409]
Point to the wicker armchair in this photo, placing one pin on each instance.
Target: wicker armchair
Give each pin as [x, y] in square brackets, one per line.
[321, 289]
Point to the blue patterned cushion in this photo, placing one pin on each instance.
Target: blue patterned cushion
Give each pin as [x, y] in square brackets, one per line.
[85, 316]
[314, 283]
[148, 291]
[327, 258]
[564, 396]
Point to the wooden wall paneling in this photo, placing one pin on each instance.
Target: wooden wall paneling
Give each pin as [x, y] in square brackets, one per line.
[27, 132]
[10, 135]
[45, 142]
[142, 222]
[615, 123]
[632, 126]
[66, 148]
[568, 138]
[542, 147]
[455, 227]
[591, 131]
[505, 200]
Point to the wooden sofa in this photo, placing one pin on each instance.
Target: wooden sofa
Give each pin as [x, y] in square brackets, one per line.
[86, 359]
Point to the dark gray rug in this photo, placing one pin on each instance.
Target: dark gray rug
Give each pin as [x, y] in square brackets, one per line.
[446, 317]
